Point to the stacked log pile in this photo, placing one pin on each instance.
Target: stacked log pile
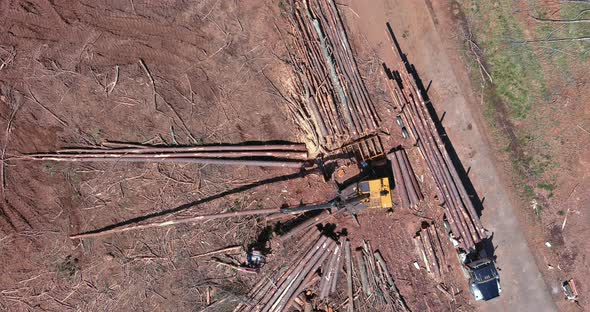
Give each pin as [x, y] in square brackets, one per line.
[317, 270]
[278, 155]
[430, 250]
[459, 209]
[287, 285]
[405, 179]
[330, 100]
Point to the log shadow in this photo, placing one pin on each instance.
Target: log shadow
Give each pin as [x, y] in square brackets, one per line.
[302, 173]
[463, 174]
[475, 199]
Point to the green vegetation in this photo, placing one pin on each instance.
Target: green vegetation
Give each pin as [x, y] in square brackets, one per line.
[546, 186]
[97, 135]
[556, 53]
[529, 193]
[66, 268]
[236, 206]
[515, 71]
[518, 103]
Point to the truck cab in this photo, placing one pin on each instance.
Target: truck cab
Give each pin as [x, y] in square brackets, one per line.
[484, 281]
[479, 268]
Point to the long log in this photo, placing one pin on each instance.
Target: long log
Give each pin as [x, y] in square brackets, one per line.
[371, 266]
[422, 252]
[405, 173]
[204, 161]
[338, 266]
[363, 273]
[439, 246]
[238, 154]
[425, 236]
[326, 281]
[292, 272]
[383, 266]
[349, 284]
[307, 281]
[411, 173]
[315, 262]
[399, 182]
[199, 148]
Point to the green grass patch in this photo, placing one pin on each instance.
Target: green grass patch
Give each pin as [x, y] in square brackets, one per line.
[66, 268]
[557, 53]
[529, 193]
[514, 67]
[546, 186]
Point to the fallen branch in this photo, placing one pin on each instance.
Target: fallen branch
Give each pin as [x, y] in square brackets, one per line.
[543, 20]
[61, 121]
[4, 146]
[556, 40]
[214, 252]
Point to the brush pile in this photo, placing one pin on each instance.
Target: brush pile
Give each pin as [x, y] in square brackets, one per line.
[376, 282]
[276, 155]
[409, 99]
[330, 101]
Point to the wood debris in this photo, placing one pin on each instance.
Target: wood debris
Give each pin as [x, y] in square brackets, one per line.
[377, 283]
[430, 250]
[330, 101]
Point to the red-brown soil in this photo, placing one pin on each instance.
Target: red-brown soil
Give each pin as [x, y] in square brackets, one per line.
[77, 74]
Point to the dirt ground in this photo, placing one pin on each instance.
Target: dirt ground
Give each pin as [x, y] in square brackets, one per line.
[539, 159]
[157, 73]
[72, 75]
[176, 73]
[540, 156]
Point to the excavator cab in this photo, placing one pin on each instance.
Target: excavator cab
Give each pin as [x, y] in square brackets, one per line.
[378, 191]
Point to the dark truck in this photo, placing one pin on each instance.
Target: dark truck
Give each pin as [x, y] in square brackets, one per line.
[479, 268]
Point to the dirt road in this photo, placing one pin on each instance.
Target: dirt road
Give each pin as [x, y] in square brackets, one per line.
[427, 39]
